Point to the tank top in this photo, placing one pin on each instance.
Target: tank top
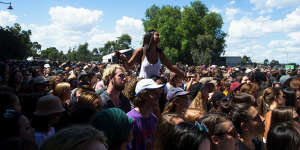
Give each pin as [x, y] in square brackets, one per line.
[149, 70]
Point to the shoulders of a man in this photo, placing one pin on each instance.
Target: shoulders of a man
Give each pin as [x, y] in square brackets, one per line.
[104, 97]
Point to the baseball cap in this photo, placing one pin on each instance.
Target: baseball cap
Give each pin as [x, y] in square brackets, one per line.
[234, 86]
[248, 70]
[146, 84]
[46, 66]
[173, 92]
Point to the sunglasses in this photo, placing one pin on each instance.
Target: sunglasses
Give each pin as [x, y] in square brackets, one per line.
[297, 119]
[122, 76]
[201, 127]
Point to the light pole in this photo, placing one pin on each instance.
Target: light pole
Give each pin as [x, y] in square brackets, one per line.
[9, 7]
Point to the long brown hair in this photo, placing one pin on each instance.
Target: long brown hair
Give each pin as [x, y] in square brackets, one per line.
[164, 128]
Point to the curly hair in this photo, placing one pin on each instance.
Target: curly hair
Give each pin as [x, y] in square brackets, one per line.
[129, 90]
[110, 72]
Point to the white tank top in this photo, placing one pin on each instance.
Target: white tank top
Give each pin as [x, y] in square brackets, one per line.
[149, 70]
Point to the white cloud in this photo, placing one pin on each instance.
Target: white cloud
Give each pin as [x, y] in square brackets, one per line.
[281, 3]
[215, 9]
[74, 18]
[249, 28]
[131, 26]
[293, 41]
[126, 25]
[73, 26]
[7, 19]
[231, 12]
[232, 2]
[264, 37]
[267, 5]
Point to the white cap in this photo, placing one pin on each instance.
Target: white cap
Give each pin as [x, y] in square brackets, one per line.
[248, 70]
[85, 67]
[213, 66]
[46, 66]
[146, 84]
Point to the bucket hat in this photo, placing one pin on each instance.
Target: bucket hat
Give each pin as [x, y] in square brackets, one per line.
[48, 105]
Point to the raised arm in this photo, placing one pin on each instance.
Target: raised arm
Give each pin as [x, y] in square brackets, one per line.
[172, 68]
[136, 56]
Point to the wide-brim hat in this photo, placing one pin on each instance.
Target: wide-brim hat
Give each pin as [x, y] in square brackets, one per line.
[146, 84]
[48, 105]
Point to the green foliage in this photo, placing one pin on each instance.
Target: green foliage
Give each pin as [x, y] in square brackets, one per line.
[192, 32]
[246, 60]
[82, 53]
[274, 62]
[15, 43]
[123, 42]
[266, 62]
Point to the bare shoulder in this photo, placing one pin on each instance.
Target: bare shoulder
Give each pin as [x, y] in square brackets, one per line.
[138, 50]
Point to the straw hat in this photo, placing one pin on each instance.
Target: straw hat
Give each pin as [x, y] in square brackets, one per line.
[48, 105]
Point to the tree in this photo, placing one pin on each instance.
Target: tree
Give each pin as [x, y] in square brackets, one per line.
[274, 62]
[266, 62]
[124, 42]
[246, 60]
[71, 55]
[182, 30]
[51, 53]
[15, 43]
[165, 20]
[83, 54]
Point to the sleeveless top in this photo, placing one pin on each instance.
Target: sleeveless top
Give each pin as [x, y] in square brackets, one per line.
[149, 70]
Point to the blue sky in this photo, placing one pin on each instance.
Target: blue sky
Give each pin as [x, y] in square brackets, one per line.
[257, 28]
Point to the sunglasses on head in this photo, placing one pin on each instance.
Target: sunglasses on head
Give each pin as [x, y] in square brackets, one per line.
[201, 127]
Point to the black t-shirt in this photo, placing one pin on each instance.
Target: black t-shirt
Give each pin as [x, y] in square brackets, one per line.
[258, 144]
[107, 103]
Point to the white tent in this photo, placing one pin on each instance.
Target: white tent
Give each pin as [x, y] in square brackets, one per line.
[108, 58]
[30, 58]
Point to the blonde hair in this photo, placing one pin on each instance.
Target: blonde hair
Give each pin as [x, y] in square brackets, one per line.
[61, 89]
[198, 103]
[74, 138]
[129, 90]
[109, 72]
[193, 114]
[52, 82]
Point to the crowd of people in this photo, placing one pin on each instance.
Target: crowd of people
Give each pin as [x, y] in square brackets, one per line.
[95, 106]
